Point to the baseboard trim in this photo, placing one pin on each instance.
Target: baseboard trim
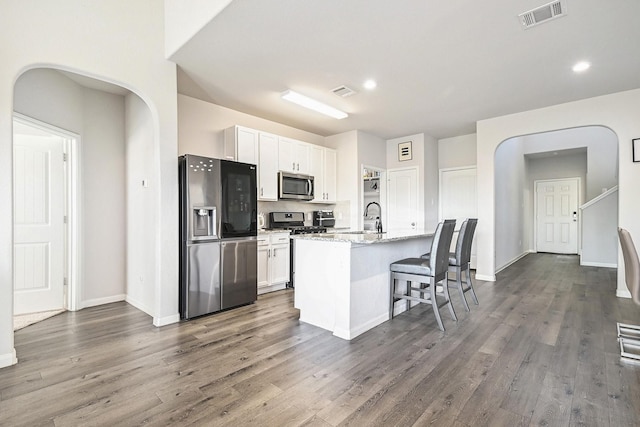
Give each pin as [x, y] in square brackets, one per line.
[485, 278]
[513, 261]
[597, 264]
[167, 320]
[100, 301]
[623, 293]
[8, 359]
[351, 333]
[140, 306]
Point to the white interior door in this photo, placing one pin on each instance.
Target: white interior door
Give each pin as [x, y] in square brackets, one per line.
[458, 200]
[557, 216]
[402, 200]
[39, 200]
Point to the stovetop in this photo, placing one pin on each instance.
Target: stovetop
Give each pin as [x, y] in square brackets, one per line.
[294, 222]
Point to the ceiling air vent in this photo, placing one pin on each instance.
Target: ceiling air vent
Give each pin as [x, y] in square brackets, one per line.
[343, 91]
[541, 14]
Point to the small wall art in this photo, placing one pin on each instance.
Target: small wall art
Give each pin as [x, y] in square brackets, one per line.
[404, 151]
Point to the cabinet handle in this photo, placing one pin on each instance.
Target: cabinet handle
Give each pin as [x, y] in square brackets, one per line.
[268, 253]
[297, 166]
[261, 191]
[293, 167]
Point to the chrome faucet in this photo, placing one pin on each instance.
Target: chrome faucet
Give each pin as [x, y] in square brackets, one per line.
[378, 220]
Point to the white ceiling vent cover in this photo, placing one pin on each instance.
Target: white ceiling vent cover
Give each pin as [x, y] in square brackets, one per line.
[343, 91]
[541, 14]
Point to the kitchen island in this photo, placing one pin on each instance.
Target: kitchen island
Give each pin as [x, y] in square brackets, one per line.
[342, 279]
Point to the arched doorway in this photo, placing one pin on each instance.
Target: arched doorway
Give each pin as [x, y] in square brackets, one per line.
[114, 214]
[589, 153]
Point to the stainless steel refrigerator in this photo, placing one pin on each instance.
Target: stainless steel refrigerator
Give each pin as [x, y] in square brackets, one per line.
[218, 235]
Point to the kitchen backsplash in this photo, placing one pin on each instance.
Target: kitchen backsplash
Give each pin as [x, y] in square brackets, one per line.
[307, 208]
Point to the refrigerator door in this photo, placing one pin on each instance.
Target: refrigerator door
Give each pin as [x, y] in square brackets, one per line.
[239, 272]
[200, 197]
[239, 206]
[200, 293]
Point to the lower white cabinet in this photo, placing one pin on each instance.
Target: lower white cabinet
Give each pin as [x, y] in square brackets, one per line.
[273, 262]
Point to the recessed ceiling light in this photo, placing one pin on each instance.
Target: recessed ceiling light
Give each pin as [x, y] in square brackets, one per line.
[581, 66]
[312, 104]
[370, 84]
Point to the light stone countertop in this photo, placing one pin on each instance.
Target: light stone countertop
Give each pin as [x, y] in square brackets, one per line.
[367, 237]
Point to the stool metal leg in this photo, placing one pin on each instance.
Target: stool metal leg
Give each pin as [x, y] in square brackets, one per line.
[460, 289]
[445, 291]
[470, 284]
[434, 303]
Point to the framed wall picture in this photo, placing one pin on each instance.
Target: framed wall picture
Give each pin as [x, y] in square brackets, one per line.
[635, 147]
[404, 151]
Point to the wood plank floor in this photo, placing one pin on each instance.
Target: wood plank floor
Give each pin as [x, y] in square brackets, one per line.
[539, 350]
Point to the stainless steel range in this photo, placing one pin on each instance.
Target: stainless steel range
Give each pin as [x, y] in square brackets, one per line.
[294, 222]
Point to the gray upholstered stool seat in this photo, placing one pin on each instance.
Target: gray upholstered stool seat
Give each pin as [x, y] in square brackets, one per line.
[412, 266]
[427, 273]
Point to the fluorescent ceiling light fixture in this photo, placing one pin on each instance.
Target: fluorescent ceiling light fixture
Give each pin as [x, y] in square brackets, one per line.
[370, 84]
[581, 66]
[312, 104]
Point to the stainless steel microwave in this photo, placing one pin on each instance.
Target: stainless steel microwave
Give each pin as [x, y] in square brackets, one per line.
[295, 186]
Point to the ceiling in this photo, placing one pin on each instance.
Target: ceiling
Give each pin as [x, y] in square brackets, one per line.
[440, 66]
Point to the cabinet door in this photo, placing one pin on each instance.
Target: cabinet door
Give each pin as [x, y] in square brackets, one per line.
[268, 167]
[247, 145]
[316, 170]
[301, 157]
[263, 264]
[286, 156]
[241, 144]
[329, 174]
[279, 263]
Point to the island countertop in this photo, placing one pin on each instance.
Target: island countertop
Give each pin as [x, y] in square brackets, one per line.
[364, 237]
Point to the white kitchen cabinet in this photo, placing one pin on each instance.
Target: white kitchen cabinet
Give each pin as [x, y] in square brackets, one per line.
[273, 262]
[267, 166]
[330, 165]
[241, 144]
[322, 166]
[293, 155]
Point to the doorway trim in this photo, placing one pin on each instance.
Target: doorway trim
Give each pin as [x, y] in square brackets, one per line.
[535, 210]
[72, 233]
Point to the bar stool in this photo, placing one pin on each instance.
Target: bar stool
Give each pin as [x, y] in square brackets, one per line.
[427, 273]
[460, 260]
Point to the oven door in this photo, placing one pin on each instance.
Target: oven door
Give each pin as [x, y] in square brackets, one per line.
[295, 186]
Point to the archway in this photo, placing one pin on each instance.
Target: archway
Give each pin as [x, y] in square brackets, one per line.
[590, 153]
[116, 220]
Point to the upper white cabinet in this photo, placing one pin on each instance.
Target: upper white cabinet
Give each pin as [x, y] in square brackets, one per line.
[241, 144]
[260, 148]
[330, 172]
[322, 166]
[268, 166]
[293, 155]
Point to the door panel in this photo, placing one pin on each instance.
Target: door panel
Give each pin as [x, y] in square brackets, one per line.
[239, 272]
[556, 216]
[38, 223]
[402, 200]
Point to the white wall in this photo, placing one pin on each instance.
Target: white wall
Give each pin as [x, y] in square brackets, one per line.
[98, 118]
[600, 232]
[201, 127]
[142, 245]
[117, 41]
[619, 112]
[103, 198]
[602, 153]
[510, 185]
[457, 152]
